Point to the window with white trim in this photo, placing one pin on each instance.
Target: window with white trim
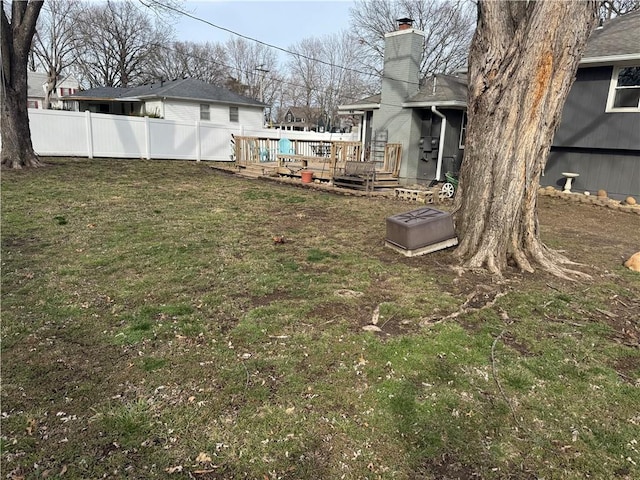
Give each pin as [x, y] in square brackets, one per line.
[233, 114]
[463, 130]
[204, 112]
[624, 92]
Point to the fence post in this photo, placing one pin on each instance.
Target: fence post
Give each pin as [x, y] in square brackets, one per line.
[87, 116]
[198, 146]
[147, 139]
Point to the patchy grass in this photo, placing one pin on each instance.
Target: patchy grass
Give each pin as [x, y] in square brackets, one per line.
[152, 329]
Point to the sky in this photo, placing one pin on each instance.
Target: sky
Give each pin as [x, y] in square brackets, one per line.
[280, 23]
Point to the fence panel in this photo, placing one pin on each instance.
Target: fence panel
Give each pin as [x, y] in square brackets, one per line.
[118, 136]
[62, 133]
[58, 133]
[172, 140]
[215, 142]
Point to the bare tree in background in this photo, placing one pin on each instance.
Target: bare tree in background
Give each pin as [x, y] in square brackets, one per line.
[522, 63]
[15, 43]
[612, 8]
[53, 44]
[322, 74]
[448, 28]
[305, 72]
[116, 42]
[251, 68]
[204, 61]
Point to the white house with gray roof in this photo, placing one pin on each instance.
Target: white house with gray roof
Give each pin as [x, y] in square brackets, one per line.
[36, 89]
[185, 99]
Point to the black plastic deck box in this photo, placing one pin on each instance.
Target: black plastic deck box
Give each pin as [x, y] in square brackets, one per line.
[420, 231]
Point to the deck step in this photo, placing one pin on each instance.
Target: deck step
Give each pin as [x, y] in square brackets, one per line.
[255, 170]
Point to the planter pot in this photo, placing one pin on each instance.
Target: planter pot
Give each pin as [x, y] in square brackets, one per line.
[307, 177]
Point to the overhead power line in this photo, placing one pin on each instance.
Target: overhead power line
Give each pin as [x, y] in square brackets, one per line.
[269, 45]
[289, 52]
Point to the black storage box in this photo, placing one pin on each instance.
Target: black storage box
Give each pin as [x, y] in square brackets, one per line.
[420, 231]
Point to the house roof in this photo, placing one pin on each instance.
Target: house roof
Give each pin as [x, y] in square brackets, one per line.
[437, 91]
[305, 112]
[35, 83]
[368, 103]
[99, 93]
[617, 40]
[441, 90]
[183, 89]
[37, 80]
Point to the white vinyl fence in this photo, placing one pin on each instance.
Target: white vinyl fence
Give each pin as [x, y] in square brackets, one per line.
[85, 134]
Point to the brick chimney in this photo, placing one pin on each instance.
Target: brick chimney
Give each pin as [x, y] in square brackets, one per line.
[405, 23]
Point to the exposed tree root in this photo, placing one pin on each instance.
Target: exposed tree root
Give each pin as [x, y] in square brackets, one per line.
[475, 301]
[18, 163]
[537, 255]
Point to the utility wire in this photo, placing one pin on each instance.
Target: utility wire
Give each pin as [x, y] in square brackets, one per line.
[289, 52]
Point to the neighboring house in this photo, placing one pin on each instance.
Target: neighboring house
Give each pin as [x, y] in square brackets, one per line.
[37, 85]
[598, 137]
[185, 99]
[305, 119]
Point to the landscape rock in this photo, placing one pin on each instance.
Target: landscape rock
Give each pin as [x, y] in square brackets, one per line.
[634, 262]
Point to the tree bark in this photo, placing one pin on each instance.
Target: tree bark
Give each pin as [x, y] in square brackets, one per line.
[15, 43]
[522, 63]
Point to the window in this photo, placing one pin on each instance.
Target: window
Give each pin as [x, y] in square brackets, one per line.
[32, 104]
[233, 114]
[463, 130]
[204, 112]
[624, 92]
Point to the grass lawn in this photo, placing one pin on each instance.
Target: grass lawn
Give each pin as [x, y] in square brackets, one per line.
[151, 328]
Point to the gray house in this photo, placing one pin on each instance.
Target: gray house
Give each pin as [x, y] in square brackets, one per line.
[186, 99]
[598, 138]
[427, 117]
[599, 134]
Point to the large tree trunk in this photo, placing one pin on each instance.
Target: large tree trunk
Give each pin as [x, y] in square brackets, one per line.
[15, 42]
[522, 63]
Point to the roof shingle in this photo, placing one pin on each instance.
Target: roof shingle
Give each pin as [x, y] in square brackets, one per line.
[184, 89]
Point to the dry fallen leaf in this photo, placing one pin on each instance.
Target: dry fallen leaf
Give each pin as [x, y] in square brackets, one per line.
[203, 458]
[31, 426]
[176, 469]
[372, 328]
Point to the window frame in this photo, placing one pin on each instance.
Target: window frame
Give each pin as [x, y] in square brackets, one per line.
[613, 89]
[463, 131]
[234, 114]
[205, 111]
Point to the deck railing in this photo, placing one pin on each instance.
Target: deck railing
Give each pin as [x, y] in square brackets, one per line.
[258, 150]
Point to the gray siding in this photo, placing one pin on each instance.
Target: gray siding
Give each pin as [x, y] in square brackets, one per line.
[427, 156]
[403, 51]
[603, 148]
[616, 172]
[585, 123]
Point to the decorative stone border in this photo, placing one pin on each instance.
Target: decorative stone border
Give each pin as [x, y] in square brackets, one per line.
[590, 200]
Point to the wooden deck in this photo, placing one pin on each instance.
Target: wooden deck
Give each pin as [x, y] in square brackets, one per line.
[339, 164]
